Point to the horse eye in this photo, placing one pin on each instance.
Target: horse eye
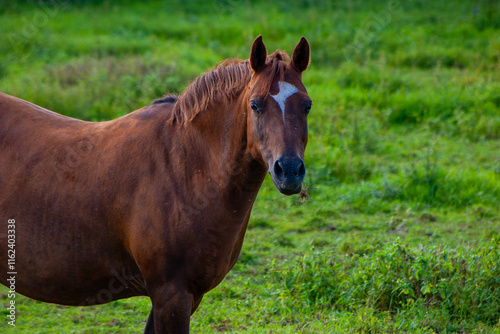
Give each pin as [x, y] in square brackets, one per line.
[254, 107]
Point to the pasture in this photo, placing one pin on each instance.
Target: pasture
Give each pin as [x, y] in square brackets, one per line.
[401, 230]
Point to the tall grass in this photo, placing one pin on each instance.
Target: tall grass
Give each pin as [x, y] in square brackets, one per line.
[462, 283]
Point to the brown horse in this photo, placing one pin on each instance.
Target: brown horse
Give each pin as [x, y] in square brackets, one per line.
[155, 203]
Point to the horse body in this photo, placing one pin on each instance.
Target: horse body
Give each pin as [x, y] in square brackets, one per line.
[154, 203]
[59, 181]
[82, 237]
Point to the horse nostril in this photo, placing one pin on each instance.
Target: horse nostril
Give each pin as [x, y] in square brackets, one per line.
[301, 171]
[278, 170]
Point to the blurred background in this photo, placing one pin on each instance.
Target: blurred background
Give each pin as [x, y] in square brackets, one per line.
[401, 229]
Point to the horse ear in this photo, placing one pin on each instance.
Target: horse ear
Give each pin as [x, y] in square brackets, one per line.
[258, 55]
[301, 55]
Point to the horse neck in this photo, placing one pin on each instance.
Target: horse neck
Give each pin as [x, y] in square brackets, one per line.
[220, 134]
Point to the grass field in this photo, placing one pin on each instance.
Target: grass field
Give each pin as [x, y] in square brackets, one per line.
[401, 233]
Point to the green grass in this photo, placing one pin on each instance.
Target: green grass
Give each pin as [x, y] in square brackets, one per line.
[401, 230]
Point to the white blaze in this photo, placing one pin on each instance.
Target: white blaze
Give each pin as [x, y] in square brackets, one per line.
[285, 91]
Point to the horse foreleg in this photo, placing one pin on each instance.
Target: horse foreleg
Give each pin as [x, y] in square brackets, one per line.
[150, 325]
[171, 312]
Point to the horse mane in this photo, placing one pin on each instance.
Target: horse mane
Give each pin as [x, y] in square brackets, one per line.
[166, 99]
[223, 83]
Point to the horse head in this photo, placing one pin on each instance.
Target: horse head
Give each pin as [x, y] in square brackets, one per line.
[277, 109]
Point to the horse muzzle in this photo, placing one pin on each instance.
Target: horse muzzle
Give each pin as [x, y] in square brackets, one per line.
[288, 173]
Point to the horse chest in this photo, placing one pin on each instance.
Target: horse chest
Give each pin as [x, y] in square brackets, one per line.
[215, 252]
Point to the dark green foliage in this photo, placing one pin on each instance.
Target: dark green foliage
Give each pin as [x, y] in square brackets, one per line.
[462, 282]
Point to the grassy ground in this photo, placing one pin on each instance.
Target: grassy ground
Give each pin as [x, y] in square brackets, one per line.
[401, 232]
